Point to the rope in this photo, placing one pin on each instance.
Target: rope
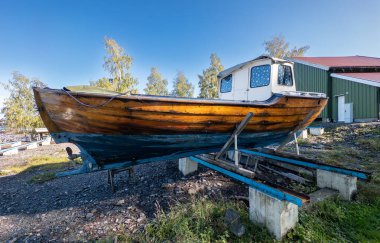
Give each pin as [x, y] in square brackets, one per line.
[94, 106]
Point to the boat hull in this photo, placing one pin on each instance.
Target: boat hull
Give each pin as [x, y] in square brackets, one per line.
[109, 149]
[113, 130]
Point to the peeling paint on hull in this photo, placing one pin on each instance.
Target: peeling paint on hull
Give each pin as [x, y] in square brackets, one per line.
[108, 149]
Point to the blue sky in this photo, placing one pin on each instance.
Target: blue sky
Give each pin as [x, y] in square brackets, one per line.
[61, 42]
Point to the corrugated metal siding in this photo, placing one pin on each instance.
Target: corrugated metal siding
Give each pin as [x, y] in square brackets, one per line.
[313, 80]
[364, 98]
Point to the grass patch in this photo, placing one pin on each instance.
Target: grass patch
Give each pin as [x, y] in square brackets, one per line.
[40, 163]
[373, 144]
[41, 178]
[200, 221]
[339, 221]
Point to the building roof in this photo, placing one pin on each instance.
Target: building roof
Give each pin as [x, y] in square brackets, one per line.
[365, 78]
[228, 71]
[346, 61]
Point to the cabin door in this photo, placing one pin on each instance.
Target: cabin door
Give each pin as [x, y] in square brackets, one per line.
[341, 108]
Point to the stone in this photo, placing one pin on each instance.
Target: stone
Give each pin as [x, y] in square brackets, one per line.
[120, 202]
[232, 220]
[192, 191]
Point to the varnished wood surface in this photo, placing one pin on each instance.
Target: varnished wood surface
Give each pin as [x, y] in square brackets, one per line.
[164, 115]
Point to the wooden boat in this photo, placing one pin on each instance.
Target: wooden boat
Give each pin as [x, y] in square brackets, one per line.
[115, 130]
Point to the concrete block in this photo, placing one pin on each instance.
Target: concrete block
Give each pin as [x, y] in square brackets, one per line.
[32, 146]
[303, 134]
[16, 144]
[316, 131]
[276, 215]
[345, 184]
[11, 152]
[187, 166]
[47, 141]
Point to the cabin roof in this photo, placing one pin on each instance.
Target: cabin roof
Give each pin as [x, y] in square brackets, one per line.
[228, 71]
[339, 62]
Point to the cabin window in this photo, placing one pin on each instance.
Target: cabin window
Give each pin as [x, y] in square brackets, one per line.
[226, 84]
[260, 76]
[285, 76]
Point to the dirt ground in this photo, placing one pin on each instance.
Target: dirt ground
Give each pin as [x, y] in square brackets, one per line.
[83, 208]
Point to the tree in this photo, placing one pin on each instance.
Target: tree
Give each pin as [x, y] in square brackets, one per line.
[278, 47]
[118, 64]
[20, 111]
[156, 84]
[182, 87]
[208, 82]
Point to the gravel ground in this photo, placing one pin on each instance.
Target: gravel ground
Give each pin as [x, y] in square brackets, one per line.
[83, 208]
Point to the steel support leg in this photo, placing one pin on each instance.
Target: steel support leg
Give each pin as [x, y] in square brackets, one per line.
[233, 139]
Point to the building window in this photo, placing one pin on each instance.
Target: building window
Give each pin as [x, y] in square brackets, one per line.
[260, 76]
[226, 84]
[285, 76]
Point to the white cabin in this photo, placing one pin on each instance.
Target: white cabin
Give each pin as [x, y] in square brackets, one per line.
[256, 80]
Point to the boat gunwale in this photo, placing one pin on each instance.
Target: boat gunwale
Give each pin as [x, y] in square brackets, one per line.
[151, 98]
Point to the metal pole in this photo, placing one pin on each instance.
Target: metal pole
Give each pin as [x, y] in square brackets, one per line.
[297, 148]
[236, 153]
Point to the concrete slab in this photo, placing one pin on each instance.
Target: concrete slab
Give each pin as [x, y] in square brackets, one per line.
[16, 144]
[316, 131]
[276, 215]
[303, 134]
[320, 195]
[187, 166]
[345, 184]
[11, 152]
[47, 141]
[31, 146]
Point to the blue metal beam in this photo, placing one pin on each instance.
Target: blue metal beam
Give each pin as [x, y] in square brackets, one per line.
[357, 174]
[258, 186]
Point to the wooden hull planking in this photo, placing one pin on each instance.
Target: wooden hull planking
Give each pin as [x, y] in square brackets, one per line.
[131, 128]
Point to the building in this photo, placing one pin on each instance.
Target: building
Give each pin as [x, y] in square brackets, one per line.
[351, 82]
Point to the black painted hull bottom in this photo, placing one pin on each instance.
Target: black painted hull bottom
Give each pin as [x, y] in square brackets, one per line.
[113, 149]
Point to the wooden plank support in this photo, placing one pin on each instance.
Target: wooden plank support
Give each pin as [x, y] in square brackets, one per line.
[311, 164]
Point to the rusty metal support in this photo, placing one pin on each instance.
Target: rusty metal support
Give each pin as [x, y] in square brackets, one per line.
[233, 139]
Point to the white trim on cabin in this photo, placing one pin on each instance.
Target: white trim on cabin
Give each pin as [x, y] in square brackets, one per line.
[357, 80]
[309, 64]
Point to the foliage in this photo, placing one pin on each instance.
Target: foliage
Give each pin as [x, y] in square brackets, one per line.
[208, 81]
[278, 47]
[118, 64]
[201, 221]
[41, 163]
[156, 84]
[20, 112]
[182, 87]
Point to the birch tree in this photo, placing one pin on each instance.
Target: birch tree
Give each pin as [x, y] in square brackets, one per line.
[20, 111]
[208, 81]
[156, 84]
[182, 87]
[118, 64]
[278, 47]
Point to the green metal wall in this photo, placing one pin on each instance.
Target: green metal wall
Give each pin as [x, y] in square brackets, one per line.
[364, 98]
[313, 80]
